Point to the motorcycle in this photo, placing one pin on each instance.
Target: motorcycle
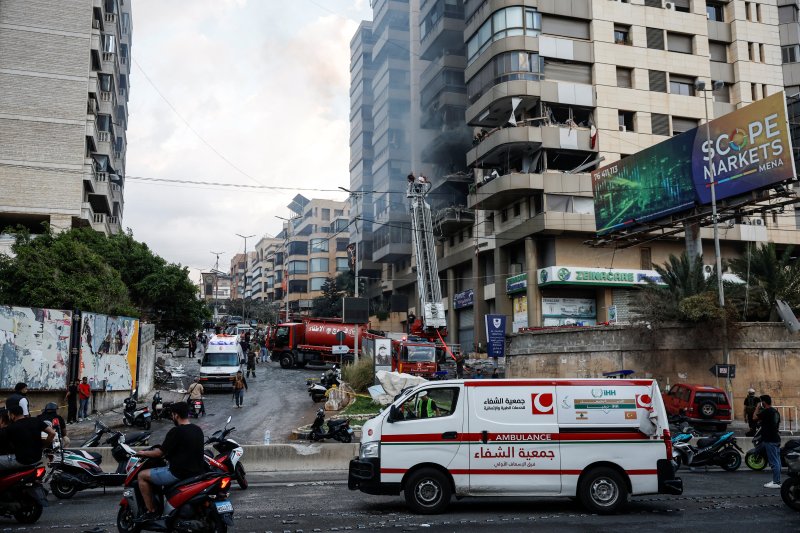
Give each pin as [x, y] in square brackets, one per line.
[318, 389]
[756, 457]
[682, 436]
[75, 470]
[196, 408]
[718, 450]
[230, 454]
[199, 503]
[161, 410]
[132, 416]
[141, 438]
[337, 429]
[22, 495]
[790, 488]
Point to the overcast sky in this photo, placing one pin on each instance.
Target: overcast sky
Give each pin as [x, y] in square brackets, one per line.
[265, 83]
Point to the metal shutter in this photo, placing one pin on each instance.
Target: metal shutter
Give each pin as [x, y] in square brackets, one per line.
[572, 72]
[655, 38]
[466, 330]
[658, 81]
[624, 77]
[566, 27]
[653, 3]
[679, 42]
[623, 299]
[659, 124]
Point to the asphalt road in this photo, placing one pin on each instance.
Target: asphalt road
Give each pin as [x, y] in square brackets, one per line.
[714, 500]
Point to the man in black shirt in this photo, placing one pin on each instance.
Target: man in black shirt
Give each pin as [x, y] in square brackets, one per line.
[183, 450]
[24, 436]
[770, 421]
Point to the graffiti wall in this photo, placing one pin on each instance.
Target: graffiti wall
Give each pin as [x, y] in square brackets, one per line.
[109, 345]
[147, 359]
[34, 347]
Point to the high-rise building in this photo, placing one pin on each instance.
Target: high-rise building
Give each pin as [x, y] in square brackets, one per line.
[552, 89]
[64, 78]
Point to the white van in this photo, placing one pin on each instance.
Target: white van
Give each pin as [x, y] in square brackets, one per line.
[599, 440]
[220, 362]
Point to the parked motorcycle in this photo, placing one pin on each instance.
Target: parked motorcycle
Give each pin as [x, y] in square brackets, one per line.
[718, 450]
[230, 454]
[337, 429]
[682, 435]
[199, 503]
[756, 458]
[75, 470]
[790, 488]
[318, 389]
[22, 494]
[133, 416]
[141, 438]
[160, 409]
[197, 408]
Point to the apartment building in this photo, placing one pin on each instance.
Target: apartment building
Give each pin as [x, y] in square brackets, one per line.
[313, 248]
[261, 268]
[64, 78]
[553, 89]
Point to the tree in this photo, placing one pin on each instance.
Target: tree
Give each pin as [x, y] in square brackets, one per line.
[330, 303]
[770, 276]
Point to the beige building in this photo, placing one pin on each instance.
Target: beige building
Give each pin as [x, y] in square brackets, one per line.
[64, 78]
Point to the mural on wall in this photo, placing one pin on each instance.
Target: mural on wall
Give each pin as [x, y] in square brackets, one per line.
[109, 345]
[34, 347]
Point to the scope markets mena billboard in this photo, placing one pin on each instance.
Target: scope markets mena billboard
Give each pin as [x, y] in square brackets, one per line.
[750, 149]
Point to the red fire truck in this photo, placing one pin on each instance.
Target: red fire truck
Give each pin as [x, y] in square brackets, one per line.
[312, 340]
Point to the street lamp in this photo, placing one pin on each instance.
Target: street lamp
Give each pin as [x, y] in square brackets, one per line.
[700, 85]
[244, 283]
[216, 286]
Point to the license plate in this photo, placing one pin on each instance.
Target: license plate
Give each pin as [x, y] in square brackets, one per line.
[349, 431]
[224, 507]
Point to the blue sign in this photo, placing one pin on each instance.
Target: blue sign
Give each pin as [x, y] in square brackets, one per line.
[496, 335]
[464, 299]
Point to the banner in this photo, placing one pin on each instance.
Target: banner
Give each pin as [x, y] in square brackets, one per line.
[750, 149]
[109, 346]
[383, 355]
[495, 335]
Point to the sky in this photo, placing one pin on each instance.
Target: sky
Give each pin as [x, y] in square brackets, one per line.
[248, 92]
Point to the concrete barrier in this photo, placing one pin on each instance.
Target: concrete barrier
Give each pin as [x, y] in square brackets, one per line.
[282, 457]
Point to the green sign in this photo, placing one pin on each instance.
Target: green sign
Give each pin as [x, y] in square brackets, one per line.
[518, 283]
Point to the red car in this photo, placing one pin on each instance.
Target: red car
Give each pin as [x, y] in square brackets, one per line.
[700, 404]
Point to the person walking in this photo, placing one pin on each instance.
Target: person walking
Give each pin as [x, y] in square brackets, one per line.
[251, 359]
[263, 351]
[72, 402]
[460, 366]
[84, 392]
[770, 420]
[192, 345]
[239, 386]
[750, 403]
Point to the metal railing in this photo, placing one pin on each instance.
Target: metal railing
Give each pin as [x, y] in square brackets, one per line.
[788, 418]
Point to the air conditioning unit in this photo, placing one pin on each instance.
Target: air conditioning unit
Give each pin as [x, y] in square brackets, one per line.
[758, 221]
[623, 128]
[669, 5]
[708, 269]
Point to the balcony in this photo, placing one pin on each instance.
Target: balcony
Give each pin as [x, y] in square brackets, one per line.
[446, 34]
[89, 178]
[91, 106]
[392, 252]
[529, 137]
[452, 219]
[91, 133]
[111, 18]
[100, 223]
[497, 193]
[114, 225]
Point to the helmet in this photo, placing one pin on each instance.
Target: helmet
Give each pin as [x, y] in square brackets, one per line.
[751, 391]
[52, 406]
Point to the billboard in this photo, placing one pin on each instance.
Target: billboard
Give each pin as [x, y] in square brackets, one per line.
[750, 149]
[109, 346]
[34, 347]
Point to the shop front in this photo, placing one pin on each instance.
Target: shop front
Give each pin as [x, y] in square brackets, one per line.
[582, 296]
[517, 291]
[464, 306]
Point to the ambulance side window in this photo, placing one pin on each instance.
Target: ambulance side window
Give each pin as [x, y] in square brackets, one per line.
[431, 403]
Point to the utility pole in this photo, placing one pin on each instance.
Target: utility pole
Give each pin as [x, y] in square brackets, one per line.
[244, 283]
[356, 195]
[216, 286]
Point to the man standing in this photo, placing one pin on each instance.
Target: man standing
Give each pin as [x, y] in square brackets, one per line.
[19, 398]
[251, 358]
[182, 448]
[72, 402]
[84, 392]
[750, 404]
[24, 437]
[192, 345]
[239, 386]
[770, 420]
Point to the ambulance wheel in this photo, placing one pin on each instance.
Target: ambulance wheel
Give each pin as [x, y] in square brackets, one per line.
[427, 491]
[603, 491]
[287, 361]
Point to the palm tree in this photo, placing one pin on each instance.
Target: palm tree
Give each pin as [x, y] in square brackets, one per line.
[772, 276]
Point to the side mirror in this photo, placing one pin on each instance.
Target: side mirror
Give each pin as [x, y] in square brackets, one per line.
[394, 414]
[229, 420]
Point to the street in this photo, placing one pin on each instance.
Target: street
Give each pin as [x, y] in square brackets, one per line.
[731, 502]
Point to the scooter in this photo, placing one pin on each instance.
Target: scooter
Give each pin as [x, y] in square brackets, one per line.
[197, 408]
[141, 438]
[790, 488]
[230, 454]
[318, 389]
[756, 457]
[133, 416]
[337, 429]
[199, 503]
[161, 410]
[22, 494]
[75, 470]
[682, 436]
[719, 450]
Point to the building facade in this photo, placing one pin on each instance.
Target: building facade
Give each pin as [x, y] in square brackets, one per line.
[64, 79]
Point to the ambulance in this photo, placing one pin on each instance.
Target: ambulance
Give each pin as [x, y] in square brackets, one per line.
[221, 361]
[599, 441]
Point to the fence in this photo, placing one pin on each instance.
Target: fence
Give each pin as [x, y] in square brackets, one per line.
[788, 418]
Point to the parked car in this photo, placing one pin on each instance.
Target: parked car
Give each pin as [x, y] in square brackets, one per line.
[700, 404]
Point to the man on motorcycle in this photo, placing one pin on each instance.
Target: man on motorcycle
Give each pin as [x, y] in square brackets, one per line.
[196, 393]
[50, 414]
[24, 436]
[182, 448]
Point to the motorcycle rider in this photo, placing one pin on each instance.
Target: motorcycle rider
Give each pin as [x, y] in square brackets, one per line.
[182, 448]
[750, 403]
[24, 436]
[770, 420]
[50, 414]
[196, 393]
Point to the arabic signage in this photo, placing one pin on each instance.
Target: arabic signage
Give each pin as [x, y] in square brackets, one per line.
[464, 299]
[606, 277]
[517, 283]
[750, 149]
[495, 335]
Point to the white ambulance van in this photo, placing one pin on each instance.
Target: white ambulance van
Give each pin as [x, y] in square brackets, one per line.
[599, 440]
[222, 359]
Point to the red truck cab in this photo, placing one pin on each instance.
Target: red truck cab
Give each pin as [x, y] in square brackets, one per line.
[415, 357]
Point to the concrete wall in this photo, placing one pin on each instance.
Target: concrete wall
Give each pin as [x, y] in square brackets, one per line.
[766, 355]
[147, 359]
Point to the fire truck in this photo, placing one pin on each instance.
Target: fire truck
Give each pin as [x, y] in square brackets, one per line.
[311, 340]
